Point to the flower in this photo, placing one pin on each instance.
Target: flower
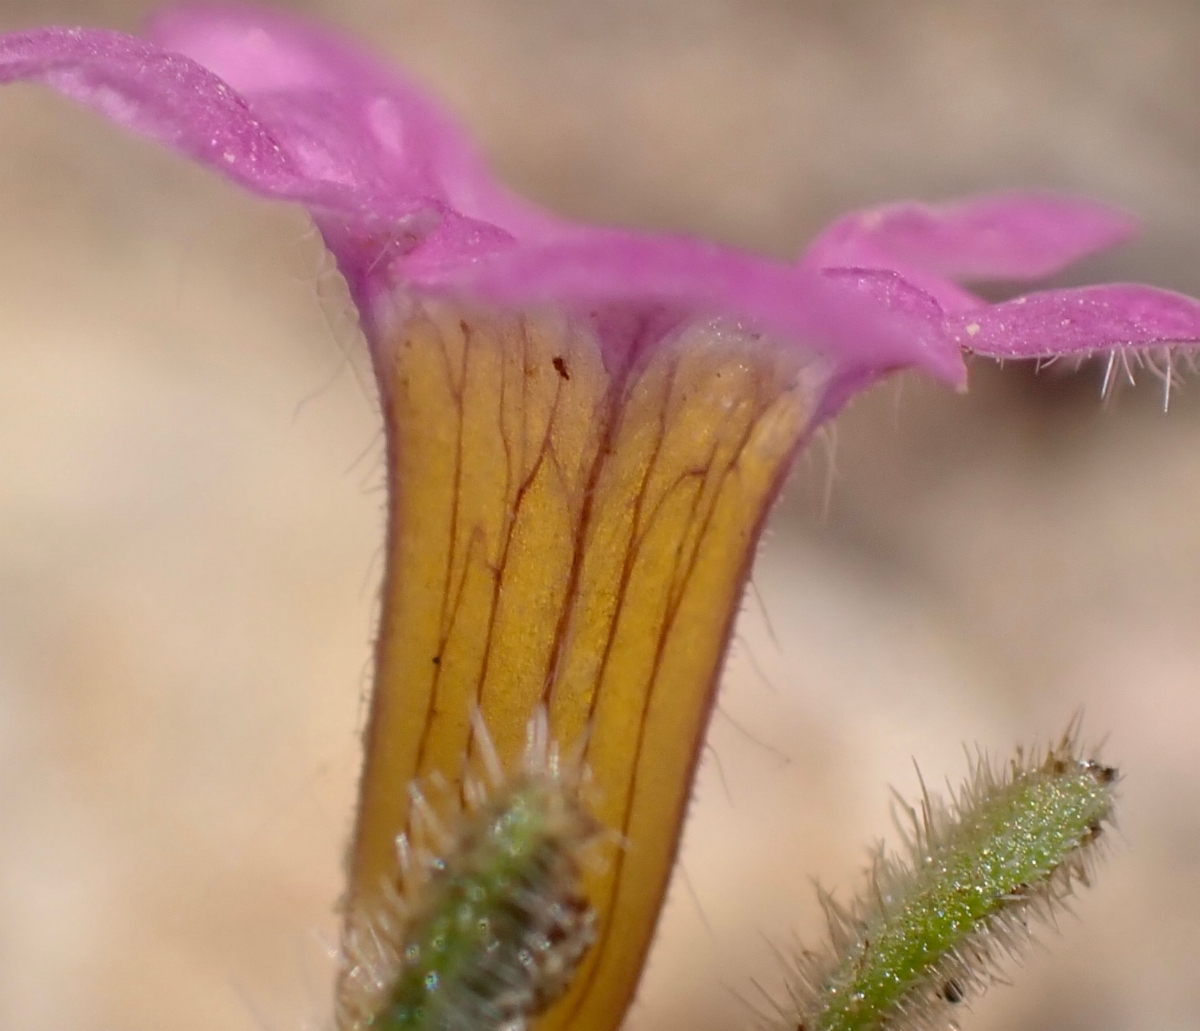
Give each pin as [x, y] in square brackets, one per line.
[585, 426]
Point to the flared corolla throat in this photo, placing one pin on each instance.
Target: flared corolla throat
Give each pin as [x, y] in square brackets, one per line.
[567, 537]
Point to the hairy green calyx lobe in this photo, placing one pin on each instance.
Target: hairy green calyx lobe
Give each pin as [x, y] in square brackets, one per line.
[504, 923]
[1009, 846]
[488, 922]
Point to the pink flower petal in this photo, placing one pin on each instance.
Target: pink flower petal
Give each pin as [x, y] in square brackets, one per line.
[349, 117]
[308, 117]
[405, 203]
[169, 98]
[1004, 236]
[1079, 322]
[858, 319]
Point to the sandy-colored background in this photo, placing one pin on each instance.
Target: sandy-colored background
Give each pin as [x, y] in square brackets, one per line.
[190, 513]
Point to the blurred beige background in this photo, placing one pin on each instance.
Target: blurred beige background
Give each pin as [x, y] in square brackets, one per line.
[190, 507]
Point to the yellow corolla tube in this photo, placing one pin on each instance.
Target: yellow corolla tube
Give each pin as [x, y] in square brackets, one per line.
[569, 538]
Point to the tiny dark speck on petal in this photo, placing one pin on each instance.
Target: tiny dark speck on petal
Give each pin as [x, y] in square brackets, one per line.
[560, 367]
